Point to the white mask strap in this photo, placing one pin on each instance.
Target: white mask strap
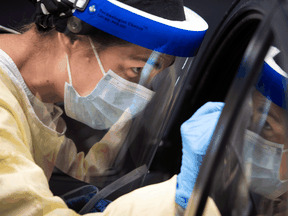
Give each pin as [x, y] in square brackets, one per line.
[69, 71]
[97, 57]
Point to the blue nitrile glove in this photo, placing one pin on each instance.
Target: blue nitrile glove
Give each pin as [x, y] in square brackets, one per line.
[196, 134]
[79, 197]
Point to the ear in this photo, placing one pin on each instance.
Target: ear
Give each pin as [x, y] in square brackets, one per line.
[66, 43]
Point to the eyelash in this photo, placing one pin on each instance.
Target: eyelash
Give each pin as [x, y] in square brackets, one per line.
[133, 69]
[266, 124]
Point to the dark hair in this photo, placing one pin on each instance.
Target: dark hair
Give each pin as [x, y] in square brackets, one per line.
[101, 38]
[104, 39]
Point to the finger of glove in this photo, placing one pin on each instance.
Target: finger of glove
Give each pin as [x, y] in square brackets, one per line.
[207, 108]
[77, 203]
[197, 132]
[187, 178]
[190, 164]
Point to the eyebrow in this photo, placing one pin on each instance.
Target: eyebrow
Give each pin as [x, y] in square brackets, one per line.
[270, 113]
[156, 65]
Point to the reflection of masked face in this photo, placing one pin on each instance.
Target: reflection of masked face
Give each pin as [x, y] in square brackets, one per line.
[270, 124]
[273, 127]
[265, 158]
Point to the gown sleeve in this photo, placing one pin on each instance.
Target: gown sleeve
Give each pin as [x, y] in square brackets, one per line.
[25, 189]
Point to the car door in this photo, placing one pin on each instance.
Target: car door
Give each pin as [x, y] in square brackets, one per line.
[237, 171]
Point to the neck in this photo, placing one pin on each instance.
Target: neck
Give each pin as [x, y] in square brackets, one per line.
[40, 62]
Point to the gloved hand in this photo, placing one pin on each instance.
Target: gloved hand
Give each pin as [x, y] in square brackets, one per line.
[79, 197]
[196, 134]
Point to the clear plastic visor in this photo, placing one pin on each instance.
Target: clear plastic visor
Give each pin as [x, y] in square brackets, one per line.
[126, 113]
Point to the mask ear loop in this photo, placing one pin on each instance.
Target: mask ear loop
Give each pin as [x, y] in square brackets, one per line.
[97, 57]
[69, 70]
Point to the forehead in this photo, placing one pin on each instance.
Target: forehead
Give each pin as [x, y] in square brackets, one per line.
[259, 101]
[136, 52]
[258, 98]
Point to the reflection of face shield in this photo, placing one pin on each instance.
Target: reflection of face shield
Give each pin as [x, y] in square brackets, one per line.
[265, 148]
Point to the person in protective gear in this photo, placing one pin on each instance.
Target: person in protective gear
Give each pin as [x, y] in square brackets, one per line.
[54, 61]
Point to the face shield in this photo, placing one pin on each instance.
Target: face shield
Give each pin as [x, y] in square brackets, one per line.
[126, 86]
[134, 98]
[265, 147]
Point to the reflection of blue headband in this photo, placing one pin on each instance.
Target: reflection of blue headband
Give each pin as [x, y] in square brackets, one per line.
[272, 81]
[177, 38]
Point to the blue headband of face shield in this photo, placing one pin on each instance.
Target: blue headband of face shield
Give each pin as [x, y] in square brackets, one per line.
[177, 38]
[273, 81]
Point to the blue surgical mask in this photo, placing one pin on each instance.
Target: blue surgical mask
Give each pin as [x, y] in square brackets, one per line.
[111, 97]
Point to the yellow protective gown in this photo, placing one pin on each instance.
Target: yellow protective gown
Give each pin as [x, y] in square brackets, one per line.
[25, 168]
